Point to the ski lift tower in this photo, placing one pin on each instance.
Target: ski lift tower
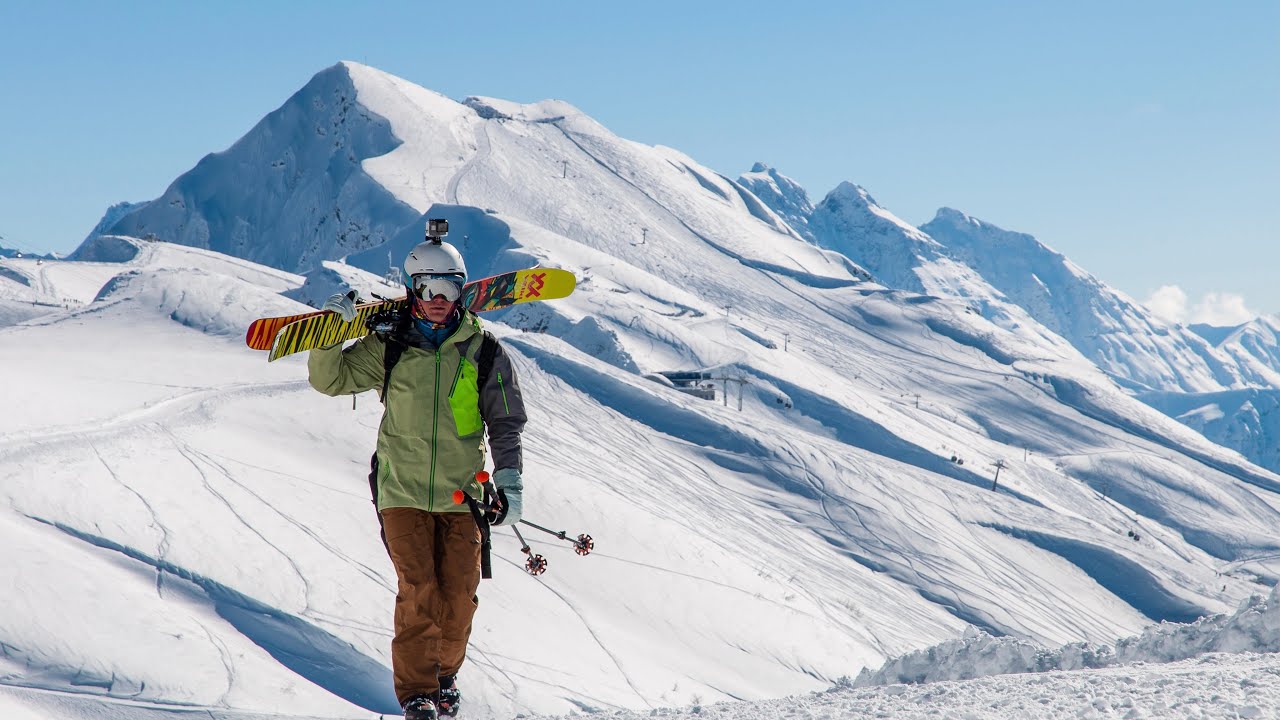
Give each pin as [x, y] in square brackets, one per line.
[741, 380]
[393, 276]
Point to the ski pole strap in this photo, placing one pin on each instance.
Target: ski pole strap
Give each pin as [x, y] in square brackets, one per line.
[486, 547]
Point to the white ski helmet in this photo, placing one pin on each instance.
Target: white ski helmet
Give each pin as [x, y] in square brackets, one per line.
[434, 258]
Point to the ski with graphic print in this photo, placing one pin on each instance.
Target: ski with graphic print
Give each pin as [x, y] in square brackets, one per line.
[294, 333]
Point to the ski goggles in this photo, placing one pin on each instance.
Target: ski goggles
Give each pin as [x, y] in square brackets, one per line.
[425, 287]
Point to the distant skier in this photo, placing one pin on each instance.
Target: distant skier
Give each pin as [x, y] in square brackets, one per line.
[444, 382]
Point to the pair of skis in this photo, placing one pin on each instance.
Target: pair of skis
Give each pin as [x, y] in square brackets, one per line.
[294, 333]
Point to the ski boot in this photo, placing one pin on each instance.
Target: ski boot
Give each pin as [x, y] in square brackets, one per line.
[450, 699]
[419, 707]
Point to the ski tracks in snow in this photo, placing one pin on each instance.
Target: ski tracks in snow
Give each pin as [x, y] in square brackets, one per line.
[189, 454]
[162, 546]
[483, 149]
[594, 636]
[160, 412]
[302, 527]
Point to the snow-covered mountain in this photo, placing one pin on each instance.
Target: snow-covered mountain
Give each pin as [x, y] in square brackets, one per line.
[109, 219]
[1118, 334]
[836, 508]
[783, 195]
[357, 156]
[294, 190]
[851, 222]
[1024, 286]
[1244, 419]
[1255, 346]
[1223, 383]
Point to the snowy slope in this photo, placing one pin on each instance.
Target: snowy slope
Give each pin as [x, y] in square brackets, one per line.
[189, 495]
[1247, 420]
[1225, 666]
[218, 494]
[843, 516]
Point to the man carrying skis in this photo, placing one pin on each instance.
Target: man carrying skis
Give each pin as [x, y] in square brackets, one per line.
[444, 381]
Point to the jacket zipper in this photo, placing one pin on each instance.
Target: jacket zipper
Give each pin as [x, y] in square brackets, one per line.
[435, 424]
[456, 376]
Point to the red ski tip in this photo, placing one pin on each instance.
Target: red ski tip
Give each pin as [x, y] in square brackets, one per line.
[482, 477]
[459, 497]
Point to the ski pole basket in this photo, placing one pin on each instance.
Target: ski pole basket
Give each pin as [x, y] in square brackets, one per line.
[535, 565]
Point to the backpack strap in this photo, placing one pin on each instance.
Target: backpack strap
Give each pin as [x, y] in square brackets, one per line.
[484, 359]
[395, 347]
[390, 356]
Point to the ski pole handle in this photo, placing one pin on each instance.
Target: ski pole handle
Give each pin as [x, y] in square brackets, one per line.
[493, 504]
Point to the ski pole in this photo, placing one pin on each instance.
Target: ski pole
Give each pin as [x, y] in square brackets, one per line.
[583, 545]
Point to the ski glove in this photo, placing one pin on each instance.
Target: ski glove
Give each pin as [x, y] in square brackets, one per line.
[342, 303]
[510, 494]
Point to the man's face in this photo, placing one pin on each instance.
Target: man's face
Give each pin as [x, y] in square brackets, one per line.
[435, 296]
[437, 309]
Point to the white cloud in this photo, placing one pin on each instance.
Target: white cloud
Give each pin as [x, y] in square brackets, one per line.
[1170, 303]
[1222, 309]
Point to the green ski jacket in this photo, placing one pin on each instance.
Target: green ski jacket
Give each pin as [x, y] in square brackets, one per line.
[431, 440]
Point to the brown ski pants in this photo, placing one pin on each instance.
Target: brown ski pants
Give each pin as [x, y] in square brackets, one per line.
[437, 561]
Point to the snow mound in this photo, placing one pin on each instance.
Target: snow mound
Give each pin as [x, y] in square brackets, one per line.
[107, 249]
[199, 299]
[1254, 627]
[542, 112]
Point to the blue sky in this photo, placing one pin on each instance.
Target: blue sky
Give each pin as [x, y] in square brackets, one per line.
[1141, 139]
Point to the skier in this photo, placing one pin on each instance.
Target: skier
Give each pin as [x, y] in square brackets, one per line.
[442, 388]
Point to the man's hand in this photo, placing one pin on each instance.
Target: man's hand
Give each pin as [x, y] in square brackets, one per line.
[510, 490]
[342, 303]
